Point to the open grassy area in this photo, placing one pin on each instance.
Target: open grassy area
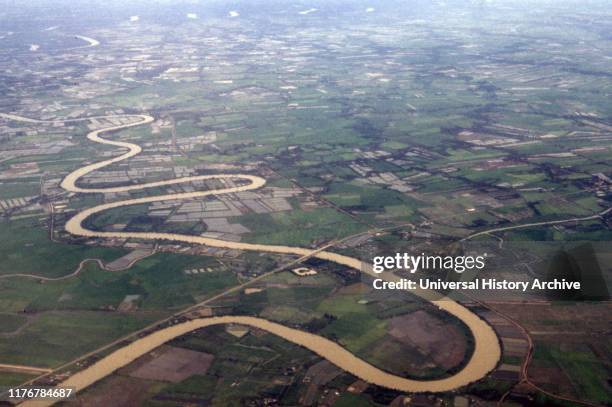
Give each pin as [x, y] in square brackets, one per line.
[11, 322]
[27, 249]
[12, 378]
[10, 190]
[198, 384]
[166, 285]
[356, 330]
[299, 227]
[51, 340]
[584, 368]
[356, 325]
[359, 197]
[159, 280]
[86, 304]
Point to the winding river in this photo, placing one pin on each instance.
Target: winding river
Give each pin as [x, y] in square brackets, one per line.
[487, 350]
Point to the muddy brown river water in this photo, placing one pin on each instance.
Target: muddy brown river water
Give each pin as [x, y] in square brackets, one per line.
[487, 350]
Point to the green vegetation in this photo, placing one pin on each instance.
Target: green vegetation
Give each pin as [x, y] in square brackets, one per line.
[26, 249]
[584, 368]
[159, 280]
[430, 125]
[11, 322]
[86, 303]
[51, 340]
[199, 385]
[300, 227]
[12, 379]
[20, 189]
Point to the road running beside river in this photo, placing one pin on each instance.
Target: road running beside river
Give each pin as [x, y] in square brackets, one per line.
[487, 349]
